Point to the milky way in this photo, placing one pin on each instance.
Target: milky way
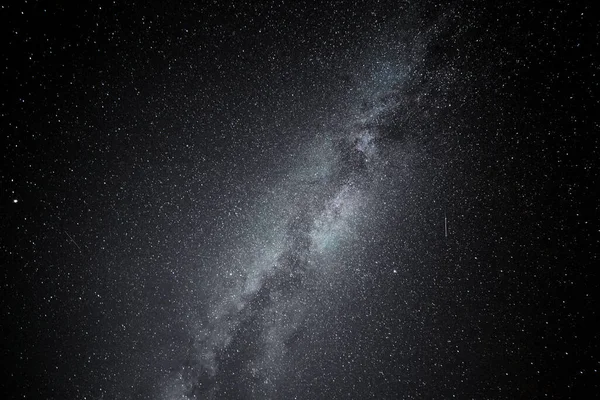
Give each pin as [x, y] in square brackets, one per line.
[304, 243]
[299, 200]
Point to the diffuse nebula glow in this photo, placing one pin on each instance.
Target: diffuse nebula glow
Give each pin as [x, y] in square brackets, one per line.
[250, 327]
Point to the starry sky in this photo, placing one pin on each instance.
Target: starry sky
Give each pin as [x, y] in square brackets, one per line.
[300, 200]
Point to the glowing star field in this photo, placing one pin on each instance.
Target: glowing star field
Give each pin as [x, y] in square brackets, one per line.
[288, 200]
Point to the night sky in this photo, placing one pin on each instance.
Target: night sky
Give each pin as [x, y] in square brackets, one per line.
[297, 200]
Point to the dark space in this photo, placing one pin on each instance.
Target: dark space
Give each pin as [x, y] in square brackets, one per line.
[310, 200]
